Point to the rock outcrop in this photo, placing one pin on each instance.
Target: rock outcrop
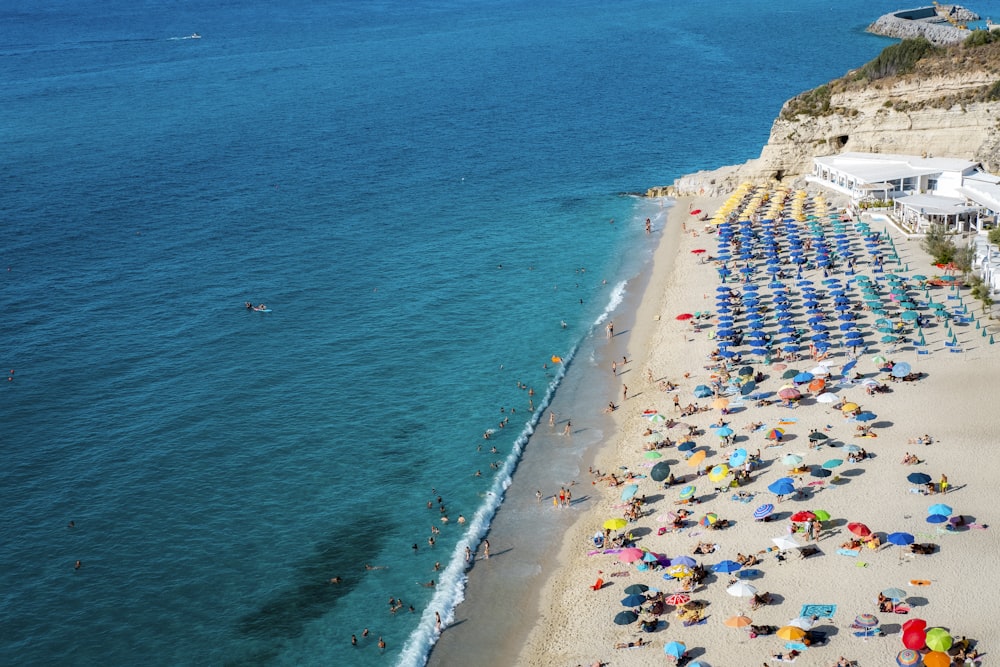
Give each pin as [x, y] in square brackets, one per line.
[949, 106]
[938, 24]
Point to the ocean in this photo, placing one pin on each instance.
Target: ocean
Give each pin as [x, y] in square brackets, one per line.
[434, 201]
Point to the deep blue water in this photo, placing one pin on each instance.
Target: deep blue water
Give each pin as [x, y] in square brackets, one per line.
[420, 191]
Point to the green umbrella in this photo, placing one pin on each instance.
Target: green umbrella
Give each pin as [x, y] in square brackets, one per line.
[822, 515]
[909, 316]
[833, 463]
[938, 639]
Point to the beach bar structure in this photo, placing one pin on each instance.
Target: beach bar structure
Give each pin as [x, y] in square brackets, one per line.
[920, 191]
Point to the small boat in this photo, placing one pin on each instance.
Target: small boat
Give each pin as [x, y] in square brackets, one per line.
[194, 35]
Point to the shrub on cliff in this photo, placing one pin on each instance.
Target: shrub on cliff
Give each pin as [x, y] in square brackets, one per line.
[980, 38]
[897, 59]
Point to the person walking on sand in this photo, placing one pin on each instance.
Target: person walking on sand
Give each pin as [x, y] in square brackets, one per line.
[611, 329]
[677, 403]
[552, 420]
[568, 429]
[486, 549]
[614, 367]
[624, 392]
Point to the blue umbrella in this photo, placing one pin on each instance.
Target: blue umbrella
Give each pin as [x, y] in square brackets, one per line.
[803, 377]
[633, 600]
[937, 518]
[701, 391]
[738, 458]
[763, 511]
[864, 416]
[781, 488]
[675, 649]
[900, 370]
[848, 367]
[683, 560]
[629, 491]
[726, 566]
[939, 508]
[899, 539]
[918, 478]
[685, 446]
[724, 432]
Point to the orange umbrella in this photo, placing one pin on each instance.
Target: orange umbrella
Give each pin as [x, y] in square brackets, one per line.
[696, 458]
[817, 385]
[720, 403]
[738, 621]
[937, 659]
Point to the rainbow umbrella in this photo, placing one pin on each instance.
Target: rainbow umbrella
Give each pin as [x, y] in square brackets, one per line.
[688, 492]
[718, 473]
[775, 434]
[908, 657]
[709, 519]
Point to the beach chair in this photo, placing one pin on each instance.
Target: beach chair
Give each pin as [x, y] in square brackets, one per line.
[923, 351]
[598, 584]
[955, 349]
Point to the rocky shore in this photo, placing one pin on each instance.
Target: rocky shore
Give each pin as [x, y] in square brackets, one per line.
[938, 24]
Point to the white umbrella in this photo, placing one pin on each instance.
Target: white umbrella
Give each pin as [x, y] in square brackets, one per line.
[741, 589]
[785, 542]
[803, 622]
[820, 370]
[827, 398]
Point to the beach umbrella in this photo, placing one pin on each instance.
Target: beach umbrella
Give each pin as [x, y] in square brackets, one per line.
[678, 599]
[914, 637]
[802, 378]
[709, 519]
[792, 460]
[849, 407]
[636, 589]
[748, 387]
[859, 529]
[675, 650]
[827, 398]
[865, 416]
[802, 516]
[630, 555]
[820, 472]
[937, 518]
[780, 488]
[803, 622]
[738, 621]
[696, 458]
[702, 391]
[937, 659]
[816, 436]
[660, 471]
[940, 508]
[908, 657]
[900, 539]
[615, 524]
[686, 446]
[785, 542]
[683, 560]
[687, 492]
[627, 617]
[629, 491]
[822, 515]
[763, 511]
[789, 394]
[679, 571]
[746, 371]
[894, 593]
[775, 434]
[741, 589]
[789, 374]
[938, 639]
[684, 316]
[738, 458]
[633, 600]
[720, 403]
[833, 463]
[918, 478]
[900, 370]
[866, 621]
[852, 448]
[650, 557]
[791, 633]
[817, 385]
[718, 473]
[915, 624]
[726, 566]
[724, 432]
[652, 455]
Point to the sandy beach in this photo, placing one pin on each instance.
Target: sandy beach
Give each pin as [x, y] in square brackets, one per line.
[951, 588]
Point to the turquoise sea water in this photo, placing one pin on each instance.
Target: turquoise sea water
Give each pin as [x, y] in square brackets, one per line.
[422, 194]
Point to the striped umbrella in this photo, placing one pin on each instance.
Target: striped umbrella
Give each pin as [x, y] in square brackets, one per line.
[763, 511]
[866, 620]
[908, 657]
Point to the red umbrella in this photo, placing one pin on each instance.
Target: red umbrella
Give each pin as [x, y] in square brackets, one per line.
[859, 529]
[696, 211]
[697, 251]
[789, 394]
[685, 316]
[803, 516]
[677, 599]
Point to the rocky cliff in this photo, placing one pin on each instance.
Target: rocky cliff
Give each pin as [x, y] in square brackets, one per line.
[947, 106]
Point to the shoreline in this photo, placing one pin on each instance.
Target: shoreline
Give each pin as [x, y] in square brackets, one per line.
[501, 602]
[574, 624]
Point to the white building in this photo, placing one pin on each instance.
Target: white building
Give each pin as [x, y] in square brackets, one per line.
[920, 190]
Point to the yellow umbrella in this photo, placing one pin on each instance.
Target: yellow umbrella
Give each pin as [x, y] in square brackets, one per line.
[696, 458]
[791, 633]
[849, 407]
[679, 571]
[615, 524]
[719, 472]
[738, 621]
[720, 403]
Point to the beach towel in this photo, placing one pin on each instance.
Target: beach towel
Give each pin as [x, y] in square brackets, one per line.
[848, 552]
[818, 610]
